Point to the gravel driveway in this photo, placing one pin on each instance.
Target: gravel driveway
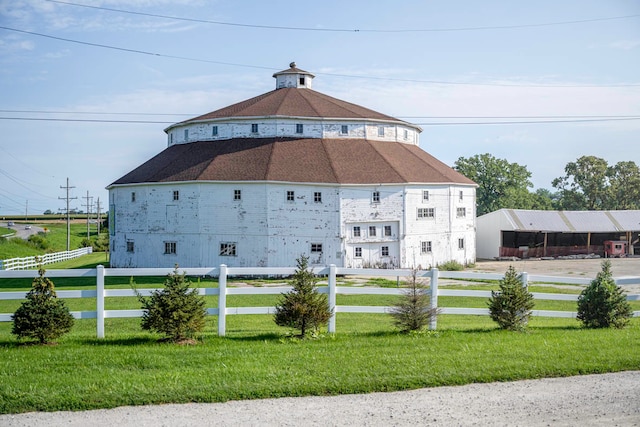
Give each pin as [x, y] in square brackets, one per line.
[589, 400]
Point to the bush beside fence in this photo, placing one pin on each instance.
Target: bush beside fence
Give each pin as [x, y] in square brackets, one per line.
[331, 289]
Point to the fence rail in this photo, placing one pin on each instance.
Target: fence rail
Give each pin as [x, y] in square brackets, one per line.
[331, 289]
[33, 261]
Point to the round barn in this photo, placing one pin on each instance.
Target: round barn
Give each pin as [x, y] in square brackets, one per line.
[287, 173]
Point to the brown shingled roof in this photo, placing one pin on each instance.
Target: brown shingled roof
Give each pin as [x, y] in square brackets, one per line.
[340, 161]
[294, 102]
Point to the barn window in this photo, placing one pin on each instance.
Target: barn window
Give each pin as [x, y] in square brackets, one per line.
[169, 247]
[387, 230]
[460, 243]
[372, 231]
[406, 134]
[133, 196]
[316, 248]
[291, 196]
[425, 247]
[376, 197]
[130, 246]
[461, 195]
[426, 213]
[237, 194]
[228, 249]
[385, 251]
[176, 195]
[358, 253]
[344, 129]
[461, 212]
[317, 197]
[301, 80]
[214, 131]
[356, 231]
[254, 128]
[299, 128]
[186, 134]
[425, 195]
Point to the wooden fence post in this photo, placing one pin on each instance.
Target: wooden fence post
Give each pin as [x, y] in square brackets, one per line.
[100, 300]
[434, 299]
[332, 299]
[222, 301]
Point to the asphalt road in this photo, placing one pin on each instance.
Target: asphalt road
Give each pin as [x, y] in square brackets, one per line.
[21, 230]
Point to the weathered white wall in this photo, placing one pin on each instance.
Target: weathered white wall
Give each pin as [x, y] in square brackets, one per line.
[270, 230]
[286, 127]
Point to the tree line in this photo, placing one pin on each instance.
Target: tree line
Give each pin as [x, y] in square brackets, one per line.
[589, 183]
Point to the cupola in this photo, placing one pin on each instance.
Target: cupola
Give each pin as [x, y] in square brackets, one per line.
[293, 77]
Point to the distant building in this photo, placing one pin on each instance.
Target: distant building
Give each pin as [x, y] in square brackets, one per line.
[291, 172]
[531, 233]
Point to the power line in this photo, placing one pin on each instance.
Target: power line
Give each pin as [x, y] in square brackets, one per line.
[348, 30]
[352, 76]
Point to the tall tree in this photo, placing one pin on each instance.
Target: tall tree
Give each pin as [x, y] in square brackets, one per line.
[500, 184]
[624, 186]
[584, 185]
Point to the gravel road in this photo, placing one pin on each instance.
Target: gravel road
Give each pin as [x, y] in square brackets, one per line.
[589, 400]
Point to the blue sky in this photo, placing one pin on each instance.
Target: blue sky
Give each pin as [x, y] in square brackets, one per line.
[421, 61]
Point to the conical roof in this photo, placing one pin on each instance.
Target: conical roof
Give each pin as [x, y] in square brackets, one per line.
[308, 160]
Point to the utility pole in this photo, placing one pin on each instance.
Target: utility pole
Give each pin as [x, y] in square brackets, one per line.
[67, 198]
[88, 205]
[98, 215]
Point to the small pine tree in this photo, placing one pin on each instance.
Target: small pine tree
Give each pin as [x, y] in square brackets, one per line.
[303, 308]
[603, 304]
[511, 306]
[412, 312]
[42, 316]
[177, 311]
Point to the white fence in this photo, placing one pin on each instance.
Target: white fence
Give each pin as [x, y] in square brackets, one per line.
[33, 261]
[331, 289]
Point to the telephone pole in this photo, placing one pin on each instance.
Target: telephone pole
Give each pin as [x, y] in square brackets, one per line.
[88, 205]
[67, 198]
[98, 215]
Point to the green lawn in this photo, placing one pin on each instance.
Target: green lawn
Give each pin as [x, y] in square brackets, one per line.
[257, 359]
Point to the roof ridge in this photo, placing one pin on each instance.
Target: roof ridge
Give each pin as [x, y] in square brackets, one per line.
[384, 158]
[330, 159]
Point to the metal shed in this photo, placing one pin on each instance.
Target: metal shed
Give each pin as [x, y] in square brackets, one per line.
[534, 233]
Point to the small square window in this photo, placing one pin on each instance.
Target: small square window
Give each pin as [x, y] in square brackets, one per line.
[372, 231]
[228, 249]
[425, 247]
[176, 195]
[237, 194]
[214, 131]
[186, 134]
[130, 246]
[461, 212]
[133, 196]
[387, 230]
[358, 253]
[291, 196]
[317, 197]
[356, 231]
[254, 128]
[344, 129]
[169, 247]
[299, 128]
[385, 251]
[316, 248]
[460, 243]
[376, 197]
[380, 130]
[425, 195]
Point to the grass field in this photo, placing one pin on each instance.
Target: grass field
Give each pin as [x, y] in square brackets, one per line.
[257, 359]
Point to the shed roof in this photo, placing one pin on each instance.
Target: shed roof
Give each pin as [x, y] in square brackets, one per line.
[312, 160]
[571, 221]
